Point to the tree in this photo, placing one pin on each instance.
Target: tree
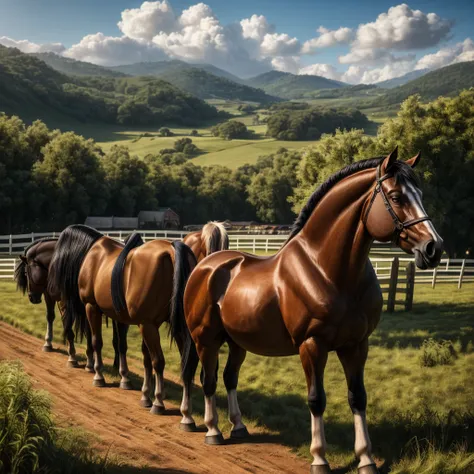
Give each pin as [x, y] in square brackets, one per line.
[230, 130]
[165, 132]
[73, 180]
[126, 178]
[186, 146]
[194, 133]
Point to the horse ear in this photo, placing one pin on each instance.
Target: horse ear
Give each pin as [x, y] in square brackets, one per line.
[414, 161]
[23, 259]
[389, 160]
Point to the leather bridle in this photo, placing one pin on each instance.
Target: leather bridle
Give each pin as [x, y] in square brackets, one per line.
[399, 225]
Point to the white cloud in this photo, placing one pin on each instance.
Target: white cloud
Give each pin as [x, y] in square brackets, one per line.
[113, 51]
[147, 21]
[460, 52]
[256, 27]
[324, 70]
[275, 44]
[328, 38]
[28, 47]
[286, 64]
[403, 29]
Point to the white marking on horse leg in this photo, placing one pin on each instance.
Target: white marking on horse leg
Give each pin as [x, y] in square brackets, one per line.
[211, 419]
[186, 408]
[146, 387]
[363, 446]
[123, 368]
[98, 366]
[49, 334]
[318, 441]
[71, 351]
[159, 385]
[235, 416]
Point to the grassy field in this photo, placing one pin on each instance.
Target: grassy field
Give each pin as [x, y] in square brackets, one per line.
[421, 419]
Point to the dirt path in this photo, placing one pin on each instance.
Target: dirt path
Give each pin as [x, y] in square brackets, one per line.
[136, 436]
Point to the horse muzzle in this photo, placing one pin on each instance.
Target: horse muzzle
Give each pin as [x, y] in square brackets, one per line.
[428, 254]
[34, 298]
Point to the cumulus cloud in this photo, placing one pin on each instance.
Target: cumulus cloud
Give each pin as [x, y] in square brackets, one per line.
[403, 29]
[328, 38]
[256, 27]
[324, 70]
[286, 64]
[113, 51]
[460, 52]
[275, 44]
[147, 21]
[28, 47]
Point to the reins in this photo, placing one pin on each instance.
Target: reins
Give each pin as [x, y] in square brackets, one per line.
[399, 225]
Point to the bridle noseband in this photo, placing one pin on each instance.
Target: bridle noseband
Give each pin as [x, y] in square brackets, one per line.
[399, 225]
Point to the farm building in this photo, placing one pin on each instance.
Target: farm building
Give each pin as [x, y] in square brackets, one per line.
[163, 218]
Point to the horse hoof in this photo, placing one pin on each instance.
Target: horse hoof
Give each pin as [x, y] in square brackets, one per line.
[320, 469]
[98, 383]
[72, 364]
[241, 433]
[146, 403]
[188, 427]
[157, 410]
[90, 370]
[214, 440]
[47, 348]
[370, 469]
[127, 385]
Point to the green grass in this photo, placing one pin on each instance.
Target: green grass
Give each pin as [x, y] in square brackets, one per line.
[29, 440]
[418, 416]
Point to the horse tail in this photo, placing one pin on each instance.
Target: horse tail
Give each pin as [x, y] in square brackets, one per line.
[20, 276]
[215, 237]
[73, 244]
[185, 261]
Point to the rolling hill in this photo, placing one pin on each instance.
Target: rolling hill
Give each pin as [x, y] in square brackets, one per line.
[204, 81]
[31, 89]
[72, 67]
[402, 80]
[446, 81]
[291, 86]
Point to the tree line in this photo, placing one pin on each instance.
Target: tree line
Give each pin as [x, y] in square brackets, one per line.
[50, 179]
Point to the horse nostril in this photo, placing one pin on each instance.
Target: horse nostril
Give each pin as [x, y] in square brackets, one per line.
[430, 249]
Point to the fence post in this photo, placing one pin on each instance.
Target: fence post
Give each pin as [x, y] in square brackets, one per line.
[32, 237]
[461, 274]
[254, 244]
[10, 244]
[410, 286]
[266, 246]
[392, 288]
[435, 272]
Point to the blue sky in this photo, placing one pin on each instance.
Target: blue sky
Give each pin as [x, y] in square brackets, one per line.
[69, 21]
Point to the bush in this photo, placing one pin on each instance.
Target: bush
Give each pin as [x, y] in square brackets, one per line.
[437, 353]
[231, 129]
[165, 132]
[194, 133]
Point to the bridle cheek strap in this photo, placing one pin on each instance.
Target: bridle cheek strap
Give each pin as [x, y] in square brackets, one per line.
[399, 225]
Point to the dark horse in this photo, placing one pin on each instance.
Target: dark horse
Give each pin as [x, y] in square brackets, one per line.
[154, 277]
[212, 238]
[319, 293]
[31, 275]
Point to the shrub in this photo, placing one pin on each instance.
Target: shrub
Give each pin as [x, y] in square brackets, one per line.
[437, 353]
[165, 132]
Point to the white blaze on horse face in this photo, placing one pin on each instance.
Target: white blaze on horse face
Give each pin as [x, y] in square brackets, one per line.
[414, 196]
[318, 441]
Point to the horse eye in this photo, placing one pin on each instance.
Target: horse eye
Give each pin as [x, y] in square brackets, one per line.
[396, 199]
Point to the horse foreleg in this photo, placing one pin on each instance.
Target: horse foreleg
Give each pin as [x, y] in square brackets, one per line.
[314, 355]
[122, 330]
[147, 378]
[94, 317]
[151, 336]
[353, 361]
[50, 315]
[231, 378]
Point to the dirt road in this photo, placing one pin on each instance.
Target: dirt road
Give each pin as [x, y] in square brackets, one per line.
[131, 432]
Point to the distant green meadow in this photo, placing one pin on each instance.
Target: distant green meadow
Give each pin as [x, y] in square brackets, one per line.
[421, 417]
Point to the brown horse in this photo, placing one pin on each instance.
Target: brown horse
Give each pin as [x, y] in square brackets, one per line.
[212, 238]
[31, 275]
[154, 277]
[319, 293]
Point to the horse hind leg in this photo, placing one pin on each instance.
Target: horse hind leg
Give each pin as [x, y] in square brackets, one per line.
[151, 336]
[122, 330]
[95, 320]
[147, 378]
[71, 360]
[353, 361]
[231, 377]
[50, 316]
[89, 350]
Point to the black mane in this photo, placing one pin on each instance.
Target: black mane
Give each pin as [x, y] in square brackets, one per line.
[400, 170]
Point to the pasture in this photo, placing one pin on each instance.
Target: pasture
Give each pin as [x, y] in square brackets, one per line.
[420, 418]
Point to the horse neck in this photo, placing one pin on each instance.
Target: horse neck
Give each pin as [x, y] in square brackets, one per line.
[45, 253]
[334, 236]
